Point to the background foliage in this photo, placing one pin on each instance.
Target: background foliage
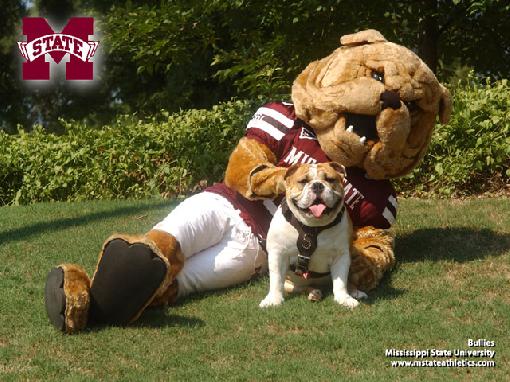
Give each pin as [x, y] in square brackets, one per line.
[181, 54]
[178, 153]
[112, 140]
[134, 158]
[471, 154]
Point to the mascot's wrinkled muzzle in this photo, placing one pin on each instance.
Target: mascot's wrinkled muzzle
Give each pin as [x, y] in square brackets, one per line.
[365, 125]
[362, 125]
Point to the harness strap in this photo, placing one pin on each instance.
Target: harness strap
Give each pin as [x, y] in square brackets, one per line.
[307, 238]
[309, 274]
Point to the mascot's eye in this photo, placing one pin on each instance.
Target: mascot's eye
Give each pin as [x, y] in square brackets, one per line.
[331, 180]
[411, 106]
[303, 181]
[378, 76]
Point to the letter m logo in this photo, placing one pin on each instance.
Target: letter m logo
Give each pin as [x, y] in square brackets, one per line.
[73, 39]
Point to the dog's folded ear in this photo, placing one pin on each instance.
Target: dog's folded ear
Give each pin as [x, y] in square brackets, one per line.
[291, 170]
[337, 167]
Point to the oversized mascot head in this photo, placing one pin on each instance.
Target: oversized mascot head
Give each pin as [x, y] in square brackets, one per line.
[372, 103]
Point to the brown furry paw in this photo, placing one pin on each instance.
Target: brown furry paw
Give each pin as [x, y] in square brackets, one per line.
[130, 273]
[372, 255]
[168, 297]
[67, 298]
[314, 295]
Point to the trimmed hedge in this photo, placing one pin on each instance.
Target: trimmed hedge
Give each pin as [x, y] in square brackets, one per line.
[167, 155]
[172, 154]
[471, 154]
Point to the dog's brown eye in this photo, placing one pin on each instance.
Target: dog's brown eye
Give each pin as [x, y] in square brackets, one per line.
[331, 180]
[303, 181]
[378, 76]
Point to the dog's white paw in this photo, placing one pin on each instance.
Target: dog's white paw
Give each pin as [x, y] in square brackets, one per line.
[271, 300]
[357, 294]
[347, 301]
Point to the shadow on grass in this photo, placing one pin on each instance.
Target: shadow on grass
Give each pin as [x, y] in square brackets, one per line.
[383, 291]
[458, 244]
[434, 244]
[26, 232]
[156, 318]
[160, 318]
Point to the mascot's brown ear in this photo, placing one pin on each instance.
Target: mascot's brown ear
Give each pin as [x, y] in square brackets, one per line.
[445, 105]
[368, 36]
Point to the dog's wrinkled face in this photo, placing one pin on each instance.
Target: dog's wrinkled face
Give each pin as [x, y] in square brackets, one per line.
[315, 192]
[372, 103]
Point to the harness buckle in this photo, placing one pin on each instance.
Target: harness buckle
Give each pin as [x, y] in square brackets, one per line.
[307, 241]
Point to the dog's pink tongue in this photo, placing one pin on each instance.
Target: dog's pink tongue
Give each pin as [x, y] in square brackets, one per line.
[317, 209]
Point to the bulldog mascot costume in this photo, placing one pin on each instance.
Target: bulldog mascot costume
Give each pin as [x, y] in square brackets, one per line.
[371, 106]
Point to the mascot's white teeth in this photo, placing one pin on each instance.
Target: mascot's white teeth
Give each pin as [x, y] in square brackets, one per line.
[362, 140]
[350, 129]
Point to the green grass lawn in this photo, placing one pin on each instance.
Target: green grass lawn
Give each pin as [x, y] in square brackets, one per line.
[451, 284]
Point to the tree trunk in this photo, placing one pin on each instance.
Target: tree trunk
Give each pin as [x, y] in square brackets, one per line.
[429, 32]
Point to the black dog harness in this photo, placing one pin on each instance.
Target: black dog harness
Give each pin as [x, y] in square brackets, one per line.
[307, 240]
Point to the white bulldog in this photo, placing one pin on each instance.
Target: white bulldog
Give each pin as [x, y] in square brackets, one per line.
[312, 233]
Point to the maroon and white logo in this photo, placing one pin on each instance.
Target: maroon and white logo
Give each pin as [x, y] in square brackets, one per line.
[72, 40]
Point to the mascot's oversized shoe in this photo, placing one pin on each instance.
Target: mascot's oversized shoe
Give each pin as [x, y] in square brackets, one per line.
[131, 273]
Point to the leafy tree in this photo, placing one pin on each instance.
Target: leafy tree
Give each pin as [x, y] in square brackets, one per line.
[197, 53]
[11, 105]
[448, 33]
[181, 54]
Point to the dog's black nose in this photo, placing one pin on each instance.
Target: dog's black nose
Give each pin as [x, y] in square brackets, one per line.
[317, 188]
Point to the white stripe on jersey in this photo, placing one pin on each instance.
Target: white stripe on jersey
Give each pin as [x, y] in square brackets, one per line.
[266, 127]
[388, 215]
[287, 122]
[270, 206]
[393, 201]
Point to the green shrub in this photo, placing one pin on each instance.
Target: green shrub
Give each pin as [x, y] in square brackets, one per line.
[10, 172]
[172, 154]
[471, 154]
[166, 155]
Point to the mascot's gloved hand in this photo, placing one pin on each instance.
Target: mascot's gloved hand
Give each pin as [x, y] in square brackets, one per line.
[266, 181]
[251, 171]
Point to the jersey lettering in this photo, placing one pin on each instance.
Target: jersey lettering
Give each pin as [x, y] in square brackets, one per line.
[352, 195]
[296, 156]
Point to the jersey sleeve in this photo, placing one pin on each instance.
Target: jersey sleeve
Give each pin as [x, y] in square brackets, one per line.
[370, 202]
[378, 213]
[270, 125]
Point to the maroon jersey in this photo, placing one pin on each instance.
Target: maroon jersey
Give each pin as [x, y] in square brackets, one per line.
[368, 201]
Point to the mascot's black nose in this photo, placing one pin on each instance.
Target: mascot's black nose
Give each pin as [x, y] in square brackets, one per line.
[317, 188]
[390, 99]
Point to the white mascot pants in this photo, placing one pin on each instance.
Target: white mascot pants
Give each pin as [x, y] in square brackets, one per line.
[219, 248]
